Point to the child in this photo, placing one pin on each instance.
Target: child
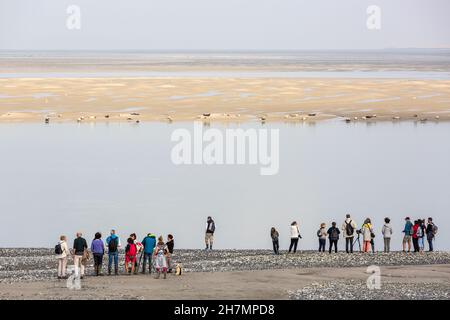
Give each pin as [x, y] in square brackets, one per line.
[160, 258]
[170, 244]
[130, 255]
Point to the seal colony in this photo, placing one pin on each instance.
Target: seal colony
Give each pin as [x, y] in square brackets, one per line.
[234, 100]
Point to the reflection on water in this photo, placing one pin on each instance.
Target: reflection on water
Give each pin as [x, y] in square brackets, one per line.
[61, 178]
[411, 75]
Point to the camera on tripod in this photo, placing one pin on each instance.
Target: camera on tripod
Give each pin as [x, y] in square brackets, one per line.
[358, 232]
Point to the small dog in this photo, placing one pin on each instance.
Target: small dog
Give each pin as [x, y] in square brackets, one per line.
[178, 269]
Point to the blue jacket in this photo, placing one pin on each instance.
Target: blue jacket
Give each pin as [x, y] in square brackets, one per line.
[407, 229]
[149, 243]
[113, 237]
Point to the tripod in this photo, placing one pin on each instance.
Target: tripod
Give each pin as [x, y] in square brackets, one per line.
[357, 240]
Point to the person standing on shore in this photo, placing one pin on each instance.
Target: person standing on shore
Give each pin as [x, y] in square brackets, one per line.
[209, 235]
[387, 234]
[349, 228]
[113, 244]
[98, 250]
[431, 233]
[295, 235]
[62, 252]
[372, 240]
[322, 234]
[79, 248]
[421, 231]
[275, 240]
[367, 233]
[139, 249]
[130, 256]
[407, 230]
[333, 234]
[170, 245]
[149, 243]
[415, 235]
[160, 258]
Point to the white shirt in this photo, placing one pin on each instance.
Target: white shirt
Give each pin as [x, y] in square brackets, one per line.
[65, 250]
[344, 227]
[294, 231]
[387, 231]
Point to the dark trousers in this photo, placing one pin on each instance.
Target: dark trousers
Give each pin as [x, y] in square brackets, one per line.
[349, 245]
[98, 261]
[294, 243]
[430, 244]
[322, 243]
[276, 246]
[416, 244]
[372, 244]
[333, 242]
[147, 257]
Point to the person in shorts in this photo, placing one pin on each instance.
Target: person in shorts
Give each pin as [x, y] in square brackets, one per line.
[407, 231]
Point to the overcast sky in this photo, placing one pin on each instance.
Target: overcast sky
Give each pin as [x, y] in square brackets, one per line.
[223, 24]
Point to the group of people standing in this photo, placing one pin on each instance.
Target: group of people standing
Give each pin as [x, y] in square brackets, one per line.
[417, 232]
[413, 232]
[155, 252]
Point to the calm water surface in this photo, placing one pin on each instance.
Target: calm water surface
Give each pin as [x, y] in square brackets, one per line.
[61, 178]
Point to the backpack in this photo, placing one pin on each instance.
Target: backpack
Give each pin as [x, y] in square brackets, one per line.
[319, 233]
[112, 245]
[131, 250]
[349, 228]
[58, 249]
[434, 229]
[211, 226]
[334, 235]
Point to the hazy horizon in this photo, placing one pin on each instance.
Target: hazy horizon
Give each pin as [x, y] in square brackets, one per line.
[237, 50]
[232, 25]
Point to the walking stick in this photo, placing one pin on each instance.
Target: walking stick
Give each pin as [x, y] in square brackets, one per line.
[140, 259]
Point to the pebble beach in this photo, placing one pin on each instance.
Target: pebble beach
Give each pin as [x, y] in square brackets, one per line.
[34, 266]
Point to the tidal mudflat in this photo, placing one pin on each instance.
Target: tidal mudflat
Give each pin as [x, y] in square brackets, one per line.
[288, 86]
[235, 99]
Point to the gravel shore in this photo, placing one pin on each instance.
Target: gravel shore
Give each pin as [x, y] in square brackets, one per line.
[34, 264]
[357, 290]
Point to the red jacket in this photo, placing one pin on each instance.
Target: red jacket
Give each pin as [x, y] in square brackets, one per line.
[415, 227]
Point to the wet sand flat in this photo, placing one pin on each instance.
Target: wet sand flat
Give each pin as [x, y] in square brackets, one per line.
[222, 98]
[258, 284]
